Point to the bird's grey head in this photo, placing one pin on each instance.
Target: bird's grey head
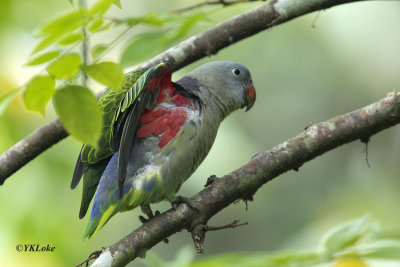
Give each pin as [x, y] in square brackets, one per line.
[225, 84]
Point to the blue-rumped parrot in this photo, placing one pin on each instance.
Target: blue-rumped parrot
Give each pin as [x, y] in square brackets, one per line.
[156, 133]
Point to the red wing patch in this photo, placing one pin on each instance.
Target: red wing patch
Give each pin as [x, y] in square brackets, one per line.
[163, 122]
[160, 79]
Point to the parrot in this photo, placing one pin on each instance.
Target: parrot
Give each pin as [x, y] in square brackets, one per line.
[155, 134]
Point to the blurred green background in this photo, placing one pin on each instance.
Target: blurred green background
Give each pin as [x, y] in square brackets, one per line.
[307, 70]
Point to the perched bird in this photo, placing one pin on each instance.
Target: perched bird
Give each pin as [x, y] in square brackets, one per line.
[156, 133]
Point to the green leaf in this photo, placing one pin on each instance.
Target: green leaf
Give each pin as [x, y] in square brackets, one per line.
[117, 3]
[65, 67]
[282, 259]
[98, 50]
[6, 98]
[63, 24]
[383, 253]
[104, 27]
[95, 24]
[107, 73]
[149, 19]
[43, 58]
[348, 234]
[79, 113]
[59, 27]
[45, 42]
[38, 93]
[71, 38]
[187, 24]
[100, 7]
[387, 235]
[142, 47]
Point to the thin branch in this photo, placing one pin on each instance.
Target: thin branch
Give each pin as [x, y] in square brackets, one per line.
[243, 183]
[85, 45]
[233, 224]
[204, 44]
[210, 3]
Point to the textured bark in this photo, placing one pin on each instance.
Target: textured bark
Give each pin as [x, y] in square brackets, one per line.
[184, 53]
[242, 183]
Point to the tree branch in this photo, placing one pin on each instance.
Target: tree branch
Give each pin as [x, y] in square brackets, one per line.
[204, 44]
[242, 183]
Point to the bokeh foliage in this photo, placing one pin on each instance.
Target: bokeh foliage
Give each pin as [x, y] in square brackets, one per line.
[307, 70]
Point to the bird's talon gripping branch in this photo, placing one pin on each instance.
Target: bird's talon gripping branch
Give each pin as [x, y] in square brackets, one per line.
[211, 180]
[146, 210]
[176, 200]
[149, 213]
[142, 219]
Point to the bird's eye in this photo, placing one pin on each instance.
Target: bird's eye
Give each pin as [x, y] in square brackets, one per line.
[236, 71]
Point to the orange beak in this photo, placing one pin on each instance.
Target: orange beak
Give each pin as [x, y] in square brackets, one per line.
[250, 97]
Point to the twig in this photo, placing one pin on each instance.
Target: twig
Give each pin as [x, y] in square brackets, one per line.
[94, 255]
[233, 224]
[365, 140]
[85, 45]
[209, 3]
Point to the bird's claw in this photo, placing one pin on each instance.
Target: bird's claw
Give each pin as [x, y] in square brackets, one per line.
[211, 180]
[147, 210]
[142, 219]
[176, 200]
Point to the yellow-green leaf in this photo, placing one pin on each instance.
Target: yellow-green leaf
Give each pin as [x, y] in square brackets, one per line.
[95, 24]
[6, 98]
[98, 50]
[55, 29]
[107, 73]
[45, 42]
[65, 67]
[64, 23]
[79, 113]
[71, 38]
[117, 3]
[43, 58]
[149, 19]
[100, 7]
[38, 93]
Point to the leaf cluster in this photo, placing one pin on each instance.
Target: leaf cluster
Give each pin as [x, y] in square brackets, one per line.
[66, 65]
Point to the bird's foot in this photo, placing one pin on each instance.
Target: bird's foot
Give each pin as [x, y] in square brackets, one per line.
[176, 200]
[211, 180]
[149, 213]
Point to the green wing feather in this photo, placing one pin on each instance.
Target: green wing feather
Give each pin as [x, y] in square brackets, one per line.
[116, 105]
[92, 161]
[109, 104]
